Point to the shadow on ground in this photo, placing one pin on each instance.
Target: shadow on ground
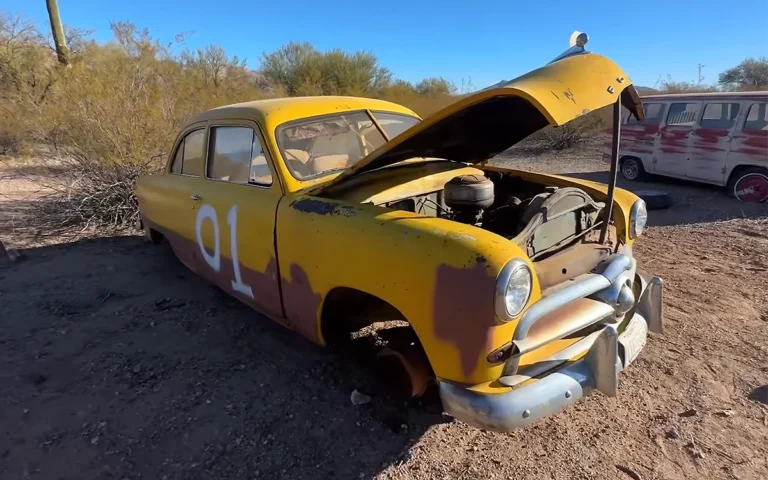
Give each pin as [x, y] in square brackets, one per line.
[116, 362]
[691, 202]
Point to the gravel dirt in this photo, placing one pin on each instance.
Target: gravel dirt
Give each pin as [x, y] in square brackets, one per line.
[117, 363]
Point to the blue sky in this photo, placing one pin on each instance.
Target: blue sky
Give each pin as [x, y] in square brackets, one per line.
[484, 41]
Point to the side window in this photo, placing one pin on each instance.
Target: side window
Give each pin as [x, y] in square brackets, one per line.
[236, 156]
[683, 114]
[654, 112]
[757, 117]
[720, 115]
[189, 155]
[192, 163]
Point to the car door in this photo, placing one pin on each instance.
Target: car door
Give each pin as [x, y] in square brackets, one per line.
[235, 221]
[672, 150]
[749, 145]
[168, 205]
[710, 140]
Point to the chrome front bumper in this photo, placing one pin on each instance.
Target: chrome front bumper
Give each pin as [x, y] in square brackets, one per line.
[608, 353]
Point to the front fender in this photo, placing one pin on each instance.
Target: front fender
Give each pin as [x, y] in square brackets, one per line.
[440, 274]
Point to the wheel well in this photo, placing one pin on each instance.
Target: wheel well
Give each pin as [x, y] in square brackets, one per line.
[368, 328]
[740, 168]
[348, 310]
[153, 235]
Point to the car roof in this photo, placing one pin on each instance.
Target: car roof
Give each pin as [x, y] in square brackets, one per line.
[272, 112]
[705, 95]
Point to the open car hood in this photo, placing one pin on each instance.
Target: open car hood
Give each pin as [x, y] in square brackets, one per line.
[486, 123]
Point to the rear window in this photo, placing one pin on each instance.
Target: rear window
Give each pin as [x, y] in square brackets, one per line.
[757, 117]
[720, 115]
[654, 112]
[683, 114]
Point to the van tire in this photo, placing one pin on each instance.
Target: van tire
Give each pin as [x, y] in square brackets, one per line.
[654, 199]
[632, 169]
[750, 177]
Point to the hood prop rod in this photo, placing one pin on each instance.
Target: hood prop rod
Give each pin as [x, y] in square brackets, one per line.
[614, 168]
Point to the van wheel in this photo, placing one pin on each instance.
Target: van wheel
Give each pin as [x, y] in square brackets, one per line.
[749, 185]
[632, 169]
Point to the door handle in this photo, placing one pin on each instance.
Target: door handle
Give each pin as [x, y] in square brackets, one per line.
[195, 197]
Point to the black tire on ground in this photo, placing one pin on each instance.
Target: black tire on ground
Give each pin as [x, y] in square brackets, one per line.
[753, 179]
[654, 199]
[631, 169]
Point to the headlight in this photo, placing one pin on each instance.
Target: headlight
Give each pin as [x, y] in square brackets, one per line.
[513, 289]
[638, 217]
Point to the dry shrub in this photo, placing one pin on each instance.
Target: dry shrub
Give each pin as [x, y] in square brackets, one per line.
[10, 143]
[91, 196]
[566, 136]
[110, 117]
[112, 114]
[569, 135]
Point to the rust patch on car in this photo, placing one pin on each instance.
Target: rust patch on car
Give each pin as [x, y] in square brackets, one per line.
[320, 207]
[463, 310]
[301, 302]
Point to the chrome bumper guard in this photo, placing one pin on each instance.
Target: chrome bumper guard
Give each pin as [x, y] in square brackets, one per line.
[608, 353]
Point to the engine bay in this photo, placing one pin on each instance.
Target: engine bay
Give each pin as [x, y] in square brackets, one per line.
[540, 218]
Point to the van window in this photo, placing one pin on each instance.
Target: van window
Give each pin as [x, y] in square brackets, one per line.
[683, 114]
[189, 155]
[720, 115]
[654, 112]
[757, 117]
[236, 156]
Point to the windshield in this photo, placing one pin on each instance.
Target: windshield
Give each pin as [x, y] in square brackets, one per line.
[318, 146]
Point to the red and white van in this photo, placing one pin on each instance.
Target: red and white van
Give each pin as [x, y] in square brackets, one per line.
[718, 138]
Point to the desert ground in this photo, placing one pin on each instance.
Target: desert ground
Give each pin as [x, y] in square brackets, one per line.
[117, 363]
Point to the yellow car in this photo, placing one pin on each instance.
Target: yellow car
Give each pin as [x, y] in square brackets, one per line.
[333, 215]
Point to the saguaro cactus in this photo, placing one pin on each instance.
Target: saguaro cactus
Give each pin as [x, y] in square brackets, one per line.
[62, 52]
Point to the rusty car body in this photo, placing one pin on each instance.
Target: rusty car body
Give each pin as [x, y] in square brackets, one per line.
[328, 214]
[719, 138]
